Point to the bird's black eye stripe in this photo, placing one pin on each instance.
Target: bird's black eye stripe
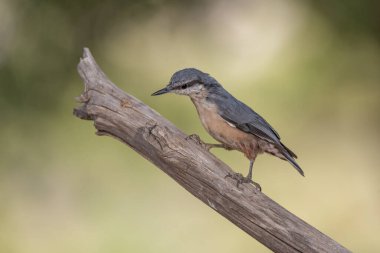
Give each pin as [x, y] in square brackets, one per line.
[186, 85]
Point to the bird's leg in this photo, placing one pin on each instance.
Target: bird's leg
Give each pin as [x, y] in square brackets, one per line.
[207, 146]
[217, 145]
[249, 175]
[240, 179]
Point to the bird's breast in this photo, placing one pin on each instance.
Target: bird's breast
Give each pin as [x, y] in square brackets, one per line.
[224, 131]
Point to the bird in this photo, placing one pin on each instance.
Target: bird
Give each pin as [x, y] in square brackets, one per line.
[228, 120]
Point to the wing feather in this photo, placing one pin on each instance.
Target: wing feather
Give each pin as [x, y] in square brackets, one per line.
[247, 120]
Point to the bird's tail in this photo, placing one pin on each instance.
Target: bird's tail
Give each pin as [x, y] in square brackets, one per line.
[289, 155]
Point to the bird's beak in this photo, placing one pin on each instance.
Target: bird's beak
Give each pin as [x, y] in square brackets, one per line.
[160, 92]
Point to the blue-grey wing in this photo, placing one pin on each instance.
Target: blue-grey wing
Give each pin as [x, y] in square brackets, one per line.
[245, 119]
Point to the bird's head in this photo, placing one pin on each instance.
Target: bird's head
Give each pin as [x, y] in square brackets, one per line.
[190, 82]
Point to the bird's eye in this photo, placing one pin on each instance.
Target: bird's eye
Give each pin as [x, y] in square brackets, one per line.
[184, 86]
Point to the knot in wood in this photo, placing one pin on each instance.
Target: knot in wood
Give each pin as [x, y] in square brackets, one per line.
[156, 135]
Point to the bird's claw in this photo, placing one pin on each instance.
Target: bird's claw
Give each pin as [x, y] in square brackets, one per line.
[194, 137]
[198, 141]
[240, 179]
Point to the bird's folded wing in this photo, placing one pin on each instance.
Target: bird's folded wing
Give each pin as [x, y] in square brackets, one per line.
[245, 119]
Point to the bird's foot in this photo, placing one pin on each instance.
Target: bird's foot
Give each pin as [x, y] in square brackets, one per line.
[195, 138]
[207, 146]
[240, 179]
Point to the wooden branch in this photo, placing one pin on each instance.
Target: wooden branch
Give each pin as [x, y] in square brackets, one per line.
[120, 115]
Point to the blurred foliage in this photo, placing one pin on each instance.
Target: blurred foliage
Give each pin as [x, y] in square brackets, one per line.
[49, 37]
[311, 68]
[353, 18]
[52, 33]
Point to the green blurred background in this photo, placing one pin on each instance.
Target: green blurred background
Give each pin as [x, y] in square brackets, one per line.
[311, 68]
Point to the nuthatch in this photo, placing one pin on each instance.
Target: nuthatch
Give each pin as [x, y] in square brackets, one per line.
[229, 120]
